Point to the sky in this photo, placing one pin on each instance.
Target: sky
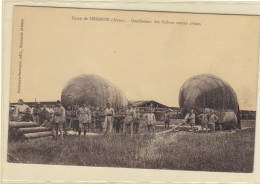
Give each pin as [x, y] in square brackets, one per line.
[147, 61]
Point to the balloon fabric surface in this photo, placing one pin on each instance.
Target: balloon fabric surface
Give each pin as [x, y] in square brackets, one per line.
[207, 91]
[92, 90]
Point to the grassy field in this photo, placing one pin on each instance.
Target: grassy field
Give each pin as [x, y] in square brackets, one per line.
[220, 151]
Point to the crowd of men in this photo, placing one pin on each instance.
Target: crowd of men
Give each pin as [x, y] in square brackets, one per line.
[84, 118]
[207, 120]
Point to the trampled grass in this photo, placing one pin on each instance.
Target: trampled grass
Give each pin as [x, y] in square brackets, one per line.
[220, 151]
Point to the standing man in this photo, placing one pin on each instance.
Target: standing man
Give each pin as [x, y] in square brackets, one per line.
[130, 117]
[212, 120]
[137, 121]
[94, 118]
[110, 113]
[84, 118]
[20, 111]
[122, 119]
[69, 113]
[44, 116]
[119, 119]
[51, 111]
[37, 112]
[28, 116]
[59, 119]
[192, 120]
[100, 119]
[90, 116]
[204, 120]
[150, 118]
[167, 119]
[74, 118]
[186, 119]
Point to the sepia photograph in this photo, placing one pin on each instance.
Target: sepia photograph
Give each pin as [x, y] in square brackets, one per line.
[133, 89]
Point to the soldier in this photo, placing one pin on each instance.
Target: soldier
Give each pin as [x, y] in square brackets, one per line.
[44, 115]
[69, 113]
[186, 119]
[28, 116]
[90, 117]
[137, 121]
[192, 121]
[110, 113]
[74, 118]
[37, 112]
[119, 119]
[150, 119]
[212, 120]
[123, 119]
[59, 119]
[11, 112]
[204, 120]
[94, 118]
[130, 117]
[100, 115]
[167, 119]
[84, 119]
[20, 111]
[116, 120]
[50, 109]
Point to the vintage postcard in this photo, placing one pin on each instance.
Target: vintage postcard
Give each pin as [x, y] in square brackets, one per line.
[133, 89]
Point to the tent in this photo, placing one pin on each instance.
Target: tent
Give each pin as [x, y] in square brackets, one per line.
[93, 90]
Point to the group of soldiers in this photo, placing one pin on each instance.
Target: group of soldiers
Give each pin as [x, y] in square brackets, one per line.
[207, 119]
[83, 118]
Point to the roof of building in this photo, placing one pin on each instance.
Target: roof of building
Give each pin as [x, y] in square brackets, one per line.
[147, 103]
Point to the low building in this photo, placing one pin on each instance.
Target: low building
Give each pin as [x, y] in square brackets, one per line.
[247, 115]
[32, 104]
[158, 108]
[144, 104]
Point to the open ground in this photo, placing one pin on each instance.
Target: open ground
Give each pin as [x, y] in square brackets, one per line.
[228, 151]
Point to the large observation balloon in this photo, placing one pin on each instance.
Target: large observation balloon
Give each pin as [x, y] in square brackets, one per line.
[207, 91]
[93, 90]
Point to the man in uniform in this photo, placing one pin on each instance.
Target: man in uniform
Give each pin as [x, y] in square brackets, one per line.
[50, 109]
[212, 120]
[116, 120]
[130, 117]
[137, 121]
[69, 113]
[94, 118]
[150, 118]
[58, 119]
[84, 118]
[90, 117]
[167, 119]
[204, 120]
[44, 116]
[74, 116]
[20, 111]
[186, 119]
[109, 120]
[192, 120]
[37, 112]
[100, 118]
[28, 116]
[120, 117]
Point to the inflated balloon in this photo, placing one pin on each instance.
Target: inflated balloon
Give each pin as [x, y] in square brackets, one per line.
[207, 91]
[92, 90]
